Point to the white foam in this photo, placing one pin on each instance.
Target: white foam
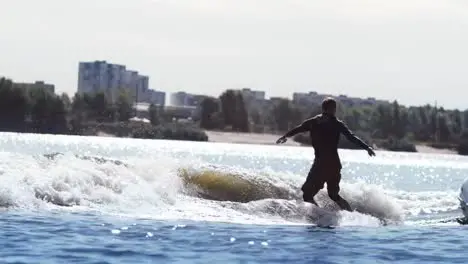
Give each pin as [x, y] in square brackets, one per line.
[149, 186]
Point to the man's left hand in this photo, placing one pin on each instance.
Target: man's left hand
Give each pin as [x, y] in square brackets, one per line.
[371, 152]
[281, 140]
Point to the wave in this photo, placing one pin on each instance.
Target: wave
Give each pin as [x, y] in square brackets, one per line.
[227, 186]
[170, 188]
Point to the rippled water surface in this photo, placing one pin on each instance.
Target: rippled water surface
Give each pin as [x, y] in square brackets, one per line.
[105, 200]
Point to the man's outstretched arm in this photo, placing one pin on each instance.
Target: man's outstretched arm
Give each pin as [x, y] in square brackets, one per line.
[304, 127]
[298, 129]
[354, 139]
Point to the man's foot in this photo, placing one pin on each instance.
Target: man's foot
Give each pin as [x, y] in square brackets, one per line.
[344, 205]
[462, 221]
[311, 200]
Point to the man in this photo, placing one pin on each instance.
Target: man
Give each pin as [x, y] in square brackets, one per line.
[325, 130]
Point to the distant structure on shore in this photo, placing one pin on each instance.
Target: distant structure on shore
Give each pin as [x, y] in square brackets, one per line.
[185, 99]
[256, 101]
[316, 98]
[100, 76]
[36, 85]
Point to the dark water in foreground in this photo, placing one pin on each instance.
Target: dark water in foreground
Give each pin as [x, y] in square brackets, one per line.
[84, 238]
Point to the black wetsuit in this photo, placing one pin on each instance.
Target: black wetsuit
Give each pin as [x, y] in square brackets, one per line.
[325, 133]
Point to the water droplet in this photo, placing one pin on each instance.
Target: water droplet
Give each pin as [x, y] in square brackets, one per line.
[115, 231]
[264, 244]
[233, 239]
[251, 242]
[149, 234]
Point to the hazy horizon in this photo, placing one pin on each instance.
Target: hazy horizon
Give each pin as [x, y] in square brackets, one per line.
[411, 51]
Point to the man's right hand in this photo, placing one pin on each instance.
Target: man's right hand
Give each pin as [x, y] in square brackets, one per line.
[370, 151]
[281, 140]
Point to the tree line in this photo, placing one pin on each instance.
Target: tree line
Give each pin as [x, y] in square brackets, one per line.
[387, 125]
[37, 110]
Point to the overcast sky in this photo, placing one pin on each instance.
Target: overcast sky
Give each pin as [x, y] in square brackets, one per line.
[414, 51]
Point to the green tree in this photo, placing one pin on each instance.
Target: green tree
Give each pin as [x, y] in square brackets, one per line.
[99, 105]
[58, 116]
[457, 123]
[465, 119]
[382, 121]
[442, 128]
[463, 144]
[241, 116]
[48, 113]
[234, 111]
[209, 106]
[282, 113]
[154, 114]
[228, 107]
[398, 127]
[13, 106]
[124, 106]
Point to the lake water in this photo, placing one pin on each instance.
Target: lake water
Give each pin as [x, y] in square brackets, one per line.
[108, 200]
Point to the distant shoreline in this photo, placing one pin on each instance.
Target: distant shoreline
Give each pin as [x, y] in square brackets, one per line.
[270, 139]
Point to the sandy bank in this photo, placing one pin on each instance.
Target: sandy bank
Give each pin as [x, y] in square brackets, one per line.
[246, 138]
[430, 150]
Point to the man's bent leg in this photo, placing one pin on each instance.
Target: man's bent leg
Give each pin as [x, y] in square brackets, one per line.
[344, 205]
[312, 185]
[308, 194]
[333, 187]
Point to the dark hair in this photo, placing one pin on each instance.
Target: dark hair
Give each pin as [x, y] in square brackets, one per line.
[328, 104]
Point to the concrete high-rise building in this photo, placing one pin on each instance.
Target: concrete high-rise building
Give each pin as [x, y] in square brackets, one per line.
[100, 76]
[156, 97]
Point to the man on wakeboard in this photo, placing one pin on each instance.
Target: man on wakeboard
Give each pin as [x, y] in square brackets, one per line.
[325, 130]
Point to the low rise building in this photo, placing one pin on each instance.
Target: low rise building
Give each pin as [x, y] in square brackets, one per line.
[37, 85]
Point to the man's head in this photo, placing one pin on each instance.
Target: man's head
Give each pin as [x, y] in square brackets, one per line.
[329, 106]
